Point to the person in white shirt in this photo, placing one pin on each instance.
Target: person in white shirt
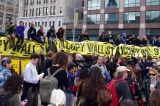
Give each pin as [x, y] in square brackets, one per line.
[31, 79]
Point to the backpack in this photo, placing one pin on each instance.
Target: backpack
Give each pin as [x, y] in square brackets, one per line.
[5, 98]
[111, 88]
[47, 84]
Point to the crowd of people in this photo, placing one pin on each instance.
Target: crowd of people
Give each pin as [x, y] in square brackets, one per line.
[40, 37]
[64, 79]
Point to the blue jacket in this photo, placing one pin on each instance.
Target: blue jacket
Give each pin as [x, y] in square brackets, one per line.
[123, 38]
[157, 43]
[20, 30]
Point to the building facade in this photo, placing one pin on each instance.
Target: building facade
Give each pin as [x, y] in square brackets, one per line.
[8, 10]
[139, 17]
[46, 12]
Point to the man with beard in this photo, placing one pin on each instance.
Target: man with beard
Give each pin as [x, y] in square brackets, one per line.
[10, 32]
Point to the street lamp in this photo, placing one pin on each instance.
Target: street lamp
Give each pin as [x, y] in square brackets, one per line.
[75, 9]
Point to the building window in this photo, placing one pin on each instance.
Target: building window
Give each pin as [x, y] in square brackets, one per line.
[45, 24]
[10, 1]
[112, 3]
[52, 10]
[131, 17]
[46, 10]
[38, 24]
[1, 0]
[36, 11]
[1, 7]
[93, 19]
[131, 3]
[1, 22]
[32, 12]
[45, 1]
[26, 2]
[35, 24]
[17, 3]
[9, 16]
[94, 4]
[60, 10]
[112, 18]
[1, 14]
[32, 2]
[53, 23]
[59, 23]
[53, 1]
[152, 2]
[39, 11]
[26, 13]
[152, 16]
[50, 23]
[38, 1]
[9, 9]
[42, 23]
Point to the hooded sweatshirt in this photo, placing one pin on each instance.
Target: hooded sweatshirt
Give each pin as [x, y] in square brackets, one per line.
[20, 30]
[123, 38]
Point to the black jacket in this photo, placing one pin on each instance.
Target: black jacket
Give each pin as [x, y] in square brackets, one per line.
[31, 32]
[49, 34]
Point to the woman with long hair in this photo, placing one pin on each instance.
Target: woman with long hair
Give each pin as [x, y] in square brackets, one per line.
[59, 61]
[93, 85]
[149, 85]
[60, 33]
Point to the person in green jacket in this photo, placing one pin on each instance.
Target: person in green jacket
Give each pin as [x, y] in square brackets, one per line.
[10, 32]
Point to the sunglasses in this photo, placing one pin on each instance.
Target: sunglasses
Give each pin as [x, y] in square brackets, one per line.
[151, 74]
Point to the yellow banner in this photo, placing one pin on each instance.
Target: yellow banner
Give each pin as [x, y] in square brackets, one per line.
[16, 65]
[23, 65]
[27, 49]
[84, 48]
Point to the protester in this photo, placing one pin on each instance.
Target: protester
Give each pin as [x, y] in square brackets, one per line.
[93, 85]
[157, 43]
[123, 38]
[58, 98]
[12, 88]
[102, 37]
[144, 41]
[154, 98]
[51, 35]
[148, 65]
[122, 88]
[31, 79]
[149, 85]
[5, 71]
[48, 61]
[84, 36]
[32, 33]
[59, 61]
[20, 33]
[138, 41]
[60, 33]
[10, 32]
[104, 71]
[152, 41]
[40, 64]
[72, 74]
[40, 35]
[109, 38]
[117, 40]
